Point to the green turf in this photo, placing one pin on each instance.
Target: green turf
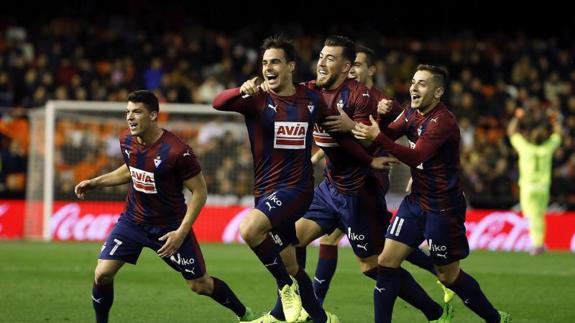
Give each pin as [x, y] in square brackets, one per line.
[52, 283]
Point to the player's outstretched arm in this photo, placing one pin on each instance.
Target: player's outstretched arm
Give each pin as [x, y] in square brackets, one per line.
[513, 125]
[119, 176]
[173, 239]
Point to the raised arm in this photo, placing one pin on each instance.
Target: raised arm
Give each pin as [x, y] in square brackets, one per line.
[119, 176]
[238, 98]
[513, 125]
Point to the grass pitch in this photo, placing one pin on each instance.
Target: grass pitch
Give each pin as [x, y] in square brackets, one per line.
[51, 282]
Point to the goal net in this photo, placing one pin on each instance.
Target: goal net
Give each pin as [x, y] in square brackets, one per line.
[76, 140]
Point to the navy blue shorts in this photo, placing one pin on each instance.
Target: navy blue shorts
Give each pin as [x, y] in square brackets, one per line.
[443, 230]
[283, 208]
[127, 239]
[362, 217]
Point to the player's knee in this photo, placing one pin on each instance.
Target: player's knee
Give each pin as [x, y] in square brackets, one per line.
[200, 286]
[103, 277]
[447, 275]
[445, 278]
[366, 266]
[386, 261]
[252, 232]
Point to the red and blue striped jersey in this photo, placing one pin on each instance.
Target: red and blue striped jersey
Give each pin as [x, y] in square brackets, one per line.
[345, 173]
[280, 132]
[158, 171]
[433, 155]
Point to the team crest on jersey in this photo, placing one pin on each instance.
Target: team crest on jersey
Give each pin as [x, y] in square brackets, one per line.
[143, 181]
[310, 107]
[340, 104]
[290, 135]
[157, 161]
[322, 138]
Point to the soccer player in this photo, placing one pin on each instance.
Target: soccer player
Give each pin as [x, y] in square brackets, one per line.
[535, 162]
[159, 165]
[435, 209]
[280, 118]
[363, 71]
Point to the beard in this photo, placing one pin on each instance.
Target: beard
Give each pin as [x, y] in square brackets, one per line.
[327, 83]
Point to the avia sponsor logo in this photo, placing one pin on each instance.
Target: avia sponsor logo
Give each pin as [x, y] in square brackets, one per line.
[499, 231]
[322, 138]
[353, 236]
[143, 181]
[70, 223]
[290, 135]
[182, 261]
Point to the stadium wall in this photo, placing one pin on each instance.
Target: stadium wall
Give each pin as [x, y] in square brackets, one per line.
[92, 221]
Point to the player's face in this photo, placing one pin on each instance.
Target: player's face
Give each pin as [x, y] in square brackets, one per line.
[139, 118]
[331, 66]
[360, 71]
[424, 92]
[276, 70]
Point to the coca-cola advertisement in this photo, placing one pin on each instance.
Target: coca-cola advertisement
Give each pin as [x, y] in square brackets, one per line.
[12, 219]
[92, 221]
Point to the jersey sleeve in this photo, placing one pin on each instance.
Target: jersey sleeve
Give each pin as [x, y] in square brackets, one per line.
[363, 103]
[396, 128]
[517, 141]
[425, 147]
[233, 100]
[554, 141]
[187, 165]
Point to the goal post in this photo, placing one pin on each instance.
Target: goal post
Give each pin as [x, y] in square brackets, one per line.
[74, 140]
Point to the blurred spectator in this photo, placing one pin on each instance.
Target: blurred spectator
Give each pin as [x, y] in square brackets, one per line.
[90, 58]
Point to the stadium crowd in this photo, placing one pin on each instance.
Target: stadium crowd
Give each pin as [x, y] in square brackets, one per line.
[77, 59]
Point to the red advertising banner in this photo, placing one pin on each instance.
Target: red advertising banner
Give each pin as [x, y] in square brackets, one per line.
[12, 219]
[92, 221]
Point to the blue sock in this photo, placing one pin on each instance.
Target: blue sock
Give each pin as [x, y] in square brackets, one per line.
[385, 293]
[301, 256]
[269, 256]
[421, 260]
[411, 292]
[102, 299]
[325, 270]
[223, 294]
[278, 311]
[308, 300]
[469, 291]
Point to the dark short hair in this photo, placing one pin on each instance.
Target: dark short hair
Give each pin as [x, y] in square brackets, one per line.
[280, 42]
[146, 97]
[439, 73]
[369, 54]
[342, 41]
